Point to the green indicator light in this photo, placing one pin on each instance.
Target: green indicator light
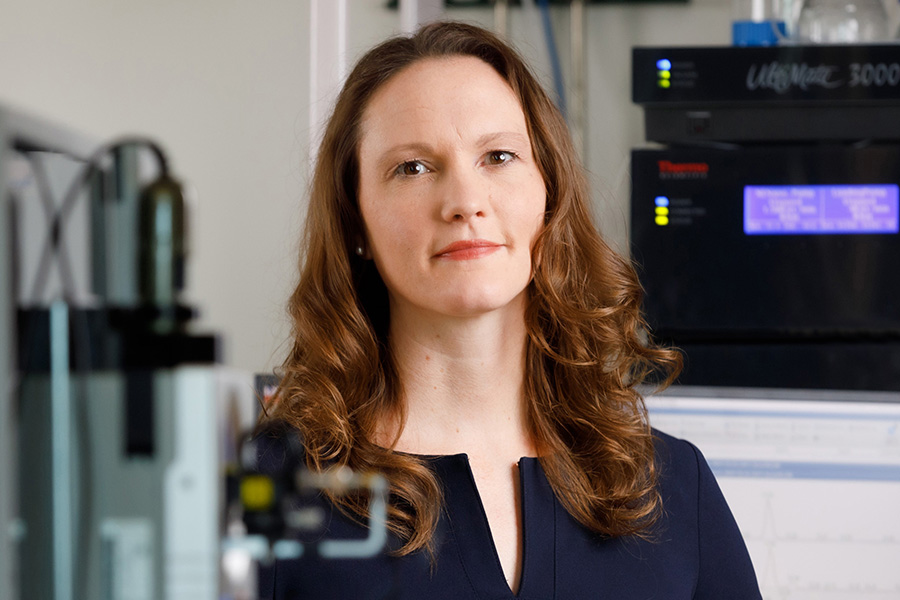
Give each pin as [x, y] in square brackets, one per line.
[665, 75]
[665, 83]
[662, 220]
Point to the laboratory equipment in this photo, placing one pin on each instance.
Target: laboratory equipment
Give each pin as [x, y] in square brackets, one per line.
[786, 94]
[121, 434]
[759, 22]
[812, 478]
[766, 230]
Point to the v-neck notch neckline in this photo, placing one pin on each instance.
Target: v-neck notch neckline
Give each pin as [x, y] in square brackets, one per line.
[469, 528]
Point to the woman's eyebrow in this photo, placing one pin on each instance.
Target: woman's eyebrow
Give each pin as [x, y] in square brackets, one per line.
[412, 149]
[502, 136]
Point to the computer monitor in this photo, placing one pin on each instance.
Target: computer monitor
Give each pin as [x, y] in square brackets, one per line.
[813, 480]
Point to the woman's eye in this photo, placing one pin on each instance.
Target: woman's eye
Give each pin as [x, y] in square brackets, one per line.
[411, 168]
[499, 157]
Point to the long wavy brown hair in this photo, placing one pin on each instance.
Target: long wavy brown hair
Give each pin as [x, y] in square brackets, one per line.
[587, 346]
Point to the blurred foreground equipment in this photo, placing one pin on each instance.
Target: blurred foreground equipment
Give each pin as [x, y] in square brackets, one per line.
[120, 437]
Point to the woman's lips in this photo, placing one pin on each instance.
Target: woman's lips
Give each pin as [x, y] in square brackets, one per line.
[467, 250]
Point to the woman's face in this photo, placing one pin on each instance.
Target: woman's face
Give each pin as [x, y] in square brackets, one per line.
[449, 191]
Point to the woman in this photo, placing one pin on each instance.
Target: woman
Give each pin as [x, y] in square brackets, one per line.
[460, 326]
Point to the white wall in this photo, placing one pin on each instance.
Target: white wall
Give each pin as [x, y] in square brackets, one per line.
[223, 85]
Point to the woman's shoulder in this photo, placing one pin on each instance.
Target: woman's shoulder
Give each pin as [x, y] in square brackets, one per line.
[679, 459]
[695, 506]
[685, 478]
[667, 444]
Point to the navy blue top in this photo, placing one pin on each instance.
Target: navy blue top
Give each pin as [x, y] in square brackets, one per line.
[697, 551]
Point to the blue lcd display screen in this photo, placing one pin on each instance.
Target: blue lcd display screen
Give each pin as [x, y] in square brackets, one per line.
[821, 209]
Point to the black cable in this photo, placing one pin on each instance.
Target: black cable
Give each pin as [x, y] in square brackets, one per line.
[46, 196]
[51, 246]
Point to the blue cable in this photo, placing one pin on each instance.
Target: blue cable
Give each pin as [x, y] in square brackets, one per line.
[544, 5]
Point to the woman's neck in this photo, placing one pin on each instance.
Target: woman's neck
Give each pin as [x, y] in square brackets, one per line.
[462, 382]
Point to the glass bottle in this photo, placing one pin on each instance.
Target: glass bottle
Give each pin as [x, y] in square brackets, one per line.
[842, 22]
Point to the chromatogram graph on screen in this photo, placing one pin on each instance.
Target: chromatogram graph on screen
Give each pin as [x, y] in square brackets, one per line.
[814, 486]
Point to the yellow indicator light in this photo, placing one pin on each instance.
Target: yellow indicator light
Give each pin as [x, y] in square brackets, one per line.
[662, 220]
[664, 83]
[257, 492]
[662, 210]
[665, 75]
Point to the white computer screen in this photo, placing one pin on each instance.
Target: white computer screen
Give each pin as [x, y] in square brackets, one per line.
[813, 480]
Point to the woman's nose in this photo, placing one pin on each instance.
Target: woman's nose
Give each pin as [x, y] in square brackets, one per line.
[464, 196]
